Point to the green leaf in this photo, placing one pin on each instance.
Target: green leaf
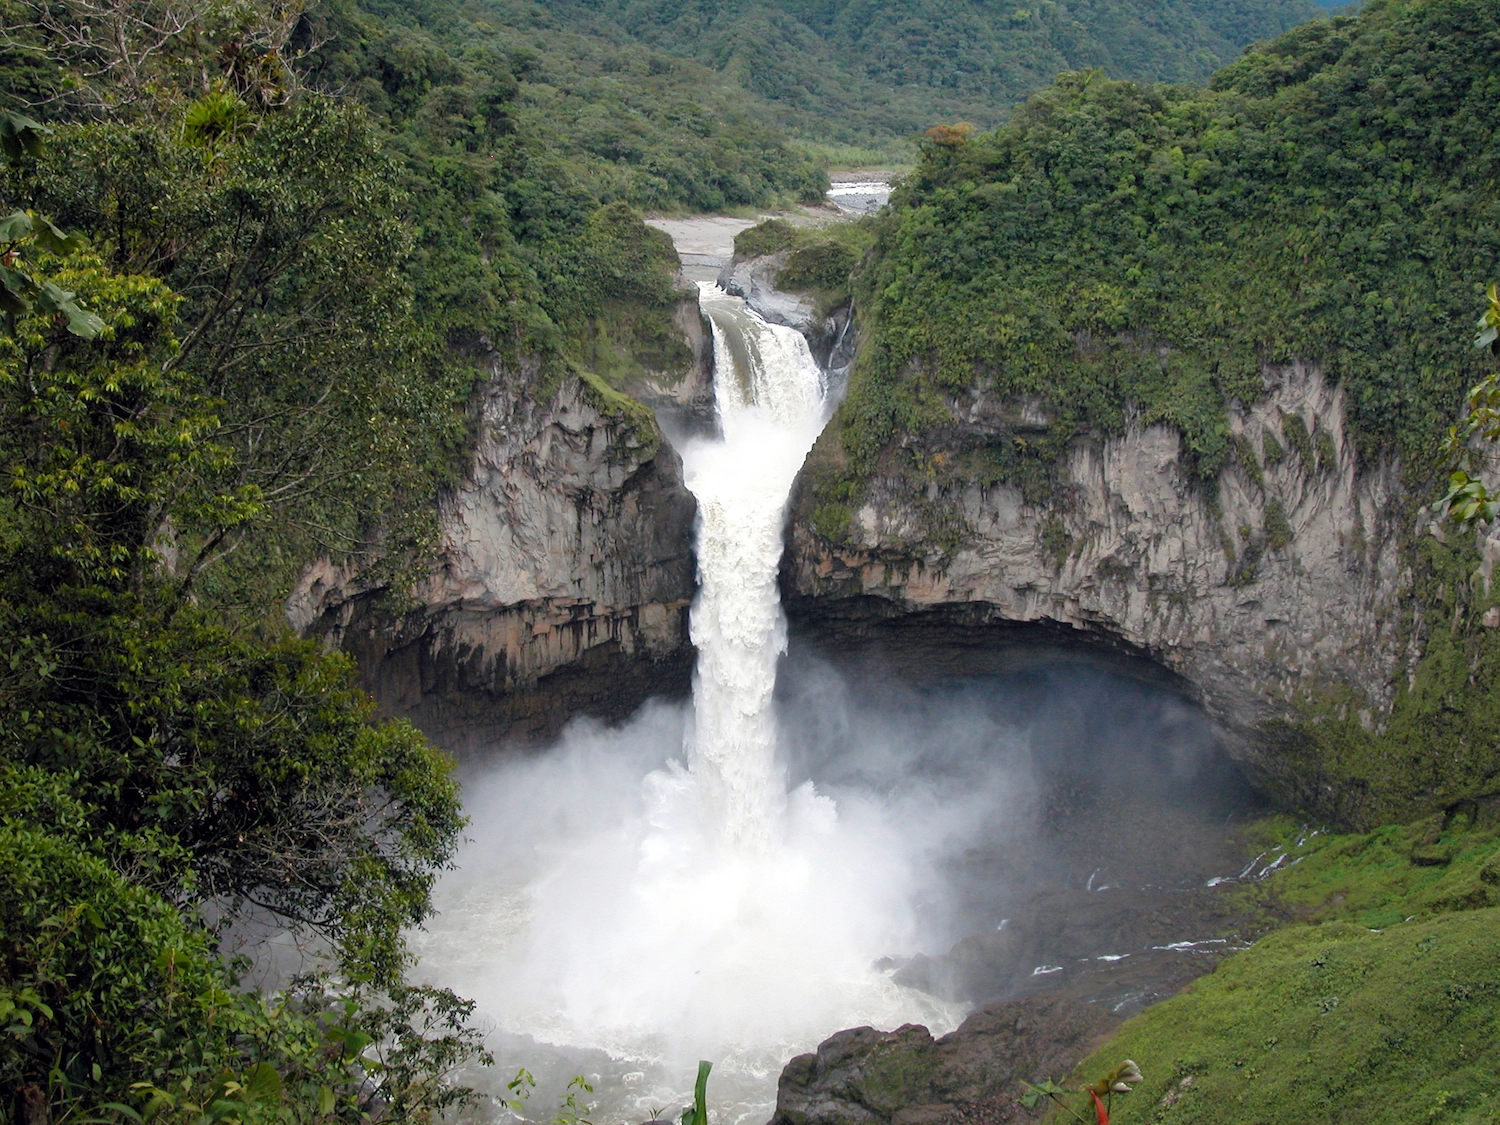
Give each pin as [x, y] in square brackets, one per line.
[20, 134]
[123, 1110]
[17, 291]
[262, 1084]
[54, 241]
[81, 322]
[15, 227]
[698, 1113]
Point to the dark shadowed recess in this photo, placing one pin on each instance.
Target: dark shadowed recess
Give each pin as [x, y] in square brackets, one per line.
[971, 639]
[458, 696]
[1113, 834]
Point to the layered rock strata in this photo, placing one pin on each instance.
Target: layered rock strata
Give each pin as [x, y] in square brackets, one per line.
[561, 584]
[1261, 591]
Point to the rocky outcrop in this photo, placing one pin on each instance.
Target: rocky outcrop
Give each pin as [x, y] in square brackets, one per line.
[970, 1076]
[1266, 589]
[561, 584]
[830, 335]
[682, 399]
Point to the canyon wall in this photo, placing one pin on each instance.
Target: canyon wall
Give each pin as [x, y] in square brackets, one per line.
[1279, 595]
[1267, 588]
[563, 577]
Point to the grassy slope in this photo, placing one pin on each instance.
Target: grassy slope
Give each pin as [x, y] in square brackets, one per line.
[1328, 1023]
[1383, 1007]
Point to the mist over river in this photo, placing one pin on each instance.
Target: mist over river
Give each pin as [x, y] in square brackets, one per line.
[736, 878]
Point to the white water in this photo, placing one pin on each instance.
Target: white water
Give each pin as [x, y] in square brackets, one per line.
[617, 899]
[771, 403]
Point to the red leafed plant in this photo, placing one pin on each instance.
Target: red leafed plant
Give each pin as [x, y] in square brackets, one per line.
[1102, 1092]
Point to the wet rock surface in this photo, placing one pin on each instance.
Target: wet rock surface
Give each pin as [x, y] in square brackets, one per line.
[972, 1075]
[829, 333]
[1116, 902]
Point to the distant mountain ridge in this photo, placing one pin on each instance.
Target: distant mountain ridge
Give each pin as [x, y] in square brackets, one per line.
[854, 71]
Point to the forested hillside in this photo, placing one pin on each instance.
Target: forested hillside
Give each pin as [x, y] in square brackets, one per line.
[866, 71]
[670, 103]
[1331, 197]
[596, 112]
[1124, 255]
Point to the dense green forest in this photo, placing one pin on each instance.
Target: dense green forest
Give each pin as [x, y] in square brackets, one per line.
[1330, 197]
[672, 104]
[863, 72]
[1123, 252]
[252, 259]
[615, 119]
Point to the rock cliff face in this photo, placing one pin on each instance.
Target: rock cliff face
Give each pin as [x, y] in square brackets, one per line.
[562, 582]
[1259, 593]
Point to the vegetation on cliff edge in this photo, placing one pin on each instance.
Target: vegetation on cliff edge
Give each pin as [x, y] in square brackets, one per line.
[1121, 250]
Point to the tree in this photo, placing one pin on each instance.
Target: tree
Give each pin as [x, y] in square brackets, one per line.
[1468, 500]
[166, 778]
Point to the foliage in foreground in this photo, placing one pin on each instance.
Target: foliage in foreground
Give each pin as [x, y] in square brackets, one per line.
[164, 782]
[176, 779]
[1101, 1093]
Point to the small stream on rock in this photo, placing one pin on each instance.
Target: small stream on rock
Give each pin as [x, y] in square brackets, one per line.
[816, 841]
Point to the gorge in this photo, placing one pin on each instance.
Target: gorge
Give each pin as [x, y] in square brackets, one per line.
[740, 878]
[544, 544]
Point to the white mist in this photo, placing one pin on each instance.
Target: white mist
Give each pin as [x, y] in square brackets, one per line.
[654, 891]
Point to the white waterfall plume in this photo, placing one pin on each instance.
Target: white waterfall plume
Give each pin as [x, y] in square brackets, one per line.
[770, 396]
[618, 898]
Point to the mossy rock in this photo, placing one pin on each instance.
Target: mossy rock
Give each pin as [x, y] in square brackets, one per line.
[1432, 855]
[1490, 871]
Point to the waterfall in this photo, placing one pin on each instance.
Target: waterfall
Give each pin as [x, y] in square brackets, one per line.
[655, 891]
[771, 401]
